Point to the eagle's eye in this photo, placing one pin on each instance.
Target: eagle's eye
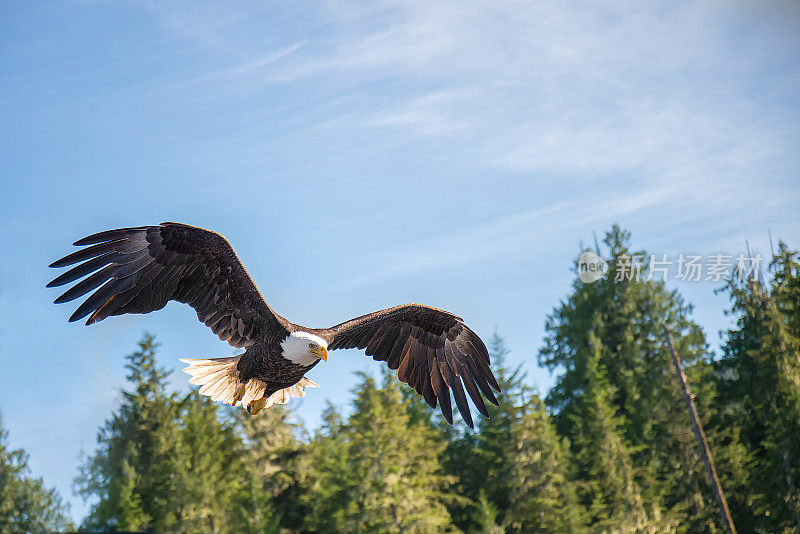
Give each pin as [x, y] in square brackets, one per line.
[310, 345]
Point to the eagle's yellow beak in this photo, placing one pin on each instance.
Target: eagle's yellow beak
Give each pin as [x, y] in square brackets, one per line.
[322, 352]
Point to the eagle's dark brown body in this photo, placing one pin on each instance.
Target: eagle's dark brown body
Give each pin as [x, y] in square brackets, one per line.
[140, 269]
[263, 361]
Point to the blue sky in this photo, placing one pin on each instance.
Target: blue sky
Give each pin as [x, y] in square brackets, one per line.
[360, 155]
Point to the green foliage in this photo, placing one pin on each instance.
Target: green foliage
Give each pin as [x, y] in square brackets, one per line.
[760, 384]
[273, 471]
[484, 517]
[163, 463]
[544, 498]
[610, 449]
[533, 492]
[327, 481]
[384, 469]
[132, 472]
[616, 387]
[208, 484]
[26, 505]
[603, 456]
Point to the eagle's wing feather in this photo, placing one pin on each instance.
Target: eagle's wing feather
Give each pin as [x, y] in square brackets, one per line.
[432, 350]
[139, 270]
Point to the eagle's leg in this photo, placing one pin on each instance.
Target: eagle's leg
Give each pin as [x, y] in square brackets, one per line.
[256, 406]
[239, 393]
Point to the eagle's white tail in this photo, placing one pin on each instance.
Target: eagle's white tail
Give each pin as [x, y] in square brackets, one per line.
[219, 379]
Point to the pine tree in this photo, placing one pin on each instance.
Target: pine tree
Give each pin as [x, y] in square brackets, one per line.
[513, 469]
[609, 491]
[760, 387]
[782, 443]
[165, 463]
[210, 482]
[484, 517]
[403, 487]
[327, 481]
[26, 505]
[132, 472]
[478, 458]
[389, 478]
[626, 313]
[544, 495]
[492, 447]
[616, 322]
[272, 458]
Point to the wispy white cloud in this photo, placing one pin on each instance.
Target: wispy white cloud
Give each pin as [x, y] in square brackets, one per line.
[498, 239]
[547, 85]
[456, 248]
[438, 113]
[656, 95]
[249, 68]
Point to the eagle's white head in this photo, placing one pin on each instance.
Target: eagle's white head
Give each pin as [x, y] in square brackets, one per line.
[304, 348]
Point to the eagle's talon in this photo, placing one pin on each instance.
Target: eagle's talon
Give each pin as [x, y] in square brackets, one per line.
[238, 394]
[256, 406]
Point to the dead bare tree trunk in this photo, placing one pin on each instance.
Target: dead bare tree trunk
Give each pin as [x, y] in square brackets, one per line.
[705, 452]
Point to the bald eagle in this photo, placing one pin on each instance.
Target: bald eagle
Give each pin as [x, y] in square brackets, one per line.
[139, 270]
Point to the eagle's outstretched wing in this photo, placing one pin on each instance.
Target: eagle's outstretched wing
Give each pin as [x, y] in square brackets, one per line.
[139, 270]
[432, 350]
